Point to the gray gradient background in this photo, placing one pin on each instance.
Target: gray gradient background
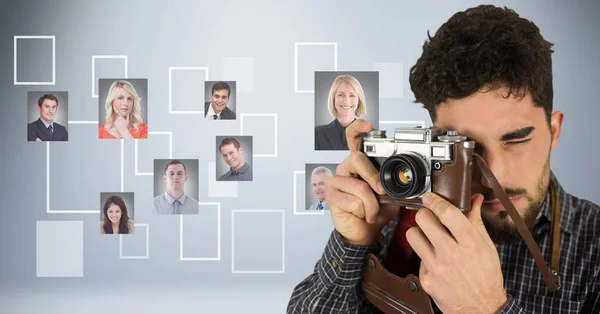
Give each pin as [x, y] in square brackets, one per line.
[35, 58]
[245, 144]
[129, 199]
[232, 99]
[141, 87]
[392, 31]
[370, 85]
[62, 112]
[191, 170]
[310, 197]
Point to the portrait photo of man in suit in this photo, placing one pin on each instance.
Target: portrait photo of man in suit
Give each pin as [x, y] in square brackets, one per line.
[316, 185]
[221, 104]
[45, 127]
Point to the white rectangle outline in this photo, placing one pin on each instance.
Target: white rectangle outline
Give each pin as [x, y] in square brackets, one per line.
[170, 134]
[236, 183]
[81, 211]
[147, 256]
[53, 60]
[422, 123]
[94, 69]
[171, 111]
[298, 44]
[306, 212]
[401, 85]
[282, 271]
[225, 59]
[218, 257]
[274, 115]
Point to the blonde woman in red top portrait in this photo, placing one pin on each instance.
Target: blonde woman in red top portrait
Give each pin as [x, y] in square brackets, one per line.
[123, 113]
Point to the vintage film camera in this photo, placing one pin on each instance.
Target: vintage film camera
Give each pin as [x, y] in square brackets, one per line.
[419, 160]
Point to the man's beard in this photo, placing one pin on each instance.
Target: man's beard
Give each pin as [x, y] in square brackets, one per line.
[500, 229]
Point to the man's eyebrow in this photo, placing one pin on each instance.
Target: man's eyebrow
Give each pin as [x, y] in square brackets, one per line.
[517, 134]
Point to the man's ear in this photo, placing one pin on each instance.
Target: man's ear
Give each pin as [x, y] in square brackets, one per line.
[556, 120]
[164, 178]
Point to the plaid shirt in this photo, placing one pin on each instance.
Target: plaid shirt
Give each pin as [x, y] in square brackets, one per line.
[334, 286]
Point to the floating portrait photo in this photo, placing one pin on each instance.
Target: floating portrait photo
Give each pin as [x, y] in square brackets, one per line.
[220, 100]
[340, 98]
[176, 187]
[116, 212]
[234, 158]
[47, 116]
[123, 108]
[316, 188]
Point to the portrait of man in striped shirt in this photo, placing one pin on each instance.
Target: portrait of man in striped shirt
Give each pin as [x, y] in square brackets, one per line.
[486, 73]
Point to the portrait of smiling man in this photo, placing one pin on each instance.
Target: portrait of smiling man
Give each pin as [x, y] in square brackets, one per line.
[222, 97]
[45, 127]
[486, 73]
[235, 153]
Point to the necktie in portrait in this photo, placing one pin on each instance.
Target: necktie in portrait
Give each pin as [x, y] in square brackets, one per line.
[50, 131]
[176, 207]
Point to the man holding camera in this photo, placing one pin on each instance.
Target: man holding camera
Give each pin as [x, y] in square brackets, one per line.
[487, 74]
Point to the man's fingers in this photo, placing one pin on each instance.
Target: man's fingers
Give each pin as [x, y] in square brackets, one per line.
[434, 230]
[353, 133]
[450, 216]
[358, 164]
[352, 195]
[420, 244]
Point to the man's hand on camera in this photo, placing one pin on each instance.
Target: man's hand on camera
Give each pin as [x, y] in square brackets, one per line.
[354, 209]
[460, 267]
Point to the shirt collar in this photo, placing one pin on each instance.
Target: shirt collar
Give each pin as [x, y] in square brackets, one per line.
[243, 169]
[46, 124]
[566, 219]
[211, 111]
[170, 199]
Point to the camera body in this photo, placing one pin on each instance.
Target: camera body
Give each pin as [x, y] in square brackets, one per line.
[420, 160]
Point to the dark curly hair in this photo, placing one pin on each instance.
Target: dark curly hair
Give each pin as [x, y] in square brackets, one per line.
[484, 47]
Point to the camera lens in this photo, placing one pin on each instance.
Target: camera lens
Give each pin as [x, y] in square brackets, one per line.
[403, 176]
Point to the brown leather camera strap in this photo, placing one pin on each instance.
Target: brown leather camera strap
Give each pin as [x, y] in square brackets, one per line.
[551, 277]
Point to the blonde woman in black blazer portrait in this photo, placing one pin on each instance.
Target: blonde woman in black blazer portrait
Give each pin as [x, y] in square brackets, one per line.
[346, 102]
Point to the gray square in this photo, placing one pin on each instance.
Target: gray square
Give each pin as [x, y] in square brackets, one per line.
[264, 134]
[220, 188]
[59, 249]
[187, 90]
[257, 249]
[34, 61]
[134, 245]
[200, 234]
[391, 79]
[155, 147]
[88, 158]
[107, 67]
[240, 70]
[312, 58]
